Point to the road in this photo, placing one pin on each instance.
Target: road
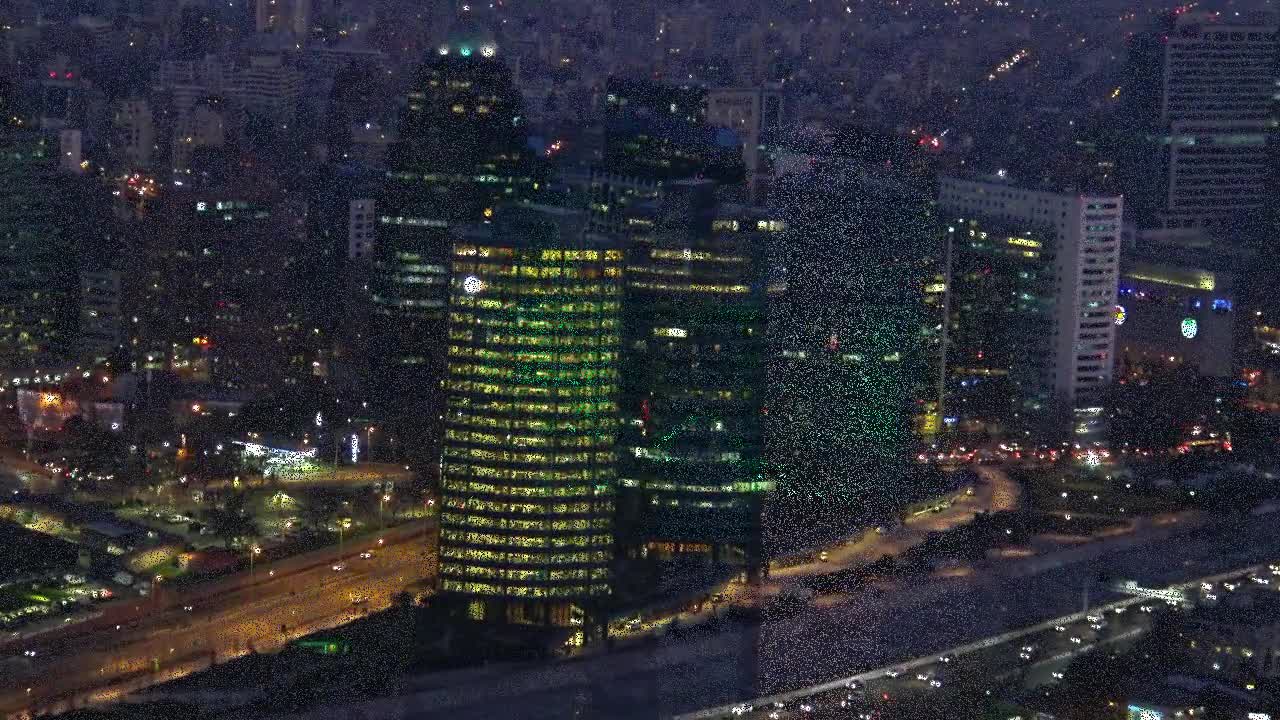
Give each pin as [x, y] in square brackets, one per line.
[876, 625]
[78, 668]
[1031, 657]
[997, 493]
[18, 473]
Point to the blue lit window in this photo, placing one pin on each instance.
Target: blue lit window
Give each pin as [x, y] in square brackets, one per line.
[1222, 305]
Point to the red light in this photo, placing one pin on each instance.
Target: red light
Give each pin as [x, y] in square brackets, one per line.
[69, 75]
[53, 74]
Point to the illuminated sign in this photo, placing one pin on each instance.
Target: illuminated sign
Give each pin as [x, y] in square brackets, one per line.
[1121, 315]
[355, 448]
[472, 285]
[260, 450]
[1188, 279]
[1141, 713]
[1190, 328]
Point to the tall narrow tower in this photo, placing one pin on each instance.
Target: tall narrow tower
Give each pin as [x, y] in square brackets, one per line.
[531, 418]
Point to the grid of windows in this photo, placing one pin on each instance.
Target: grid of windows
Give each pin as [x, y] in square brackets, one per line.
[531, 419]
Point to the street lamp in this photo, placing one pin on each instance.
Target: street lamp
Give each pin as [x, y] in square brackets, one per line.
[386, 498]
[257, 550]
[369, 443]
[343, 524]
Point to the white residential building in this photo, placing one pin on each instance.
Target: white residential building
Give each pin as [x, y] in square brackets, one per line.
[1087, 231]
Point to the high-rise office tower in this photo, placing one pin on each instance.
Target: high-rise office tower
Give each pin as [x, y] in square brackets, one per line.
[531, 419]
[754, 114]
[846, 345]
[287, 16]
[691, 454]
[461, 152]
[1219, 105]
[1082, 233]
[39, 277]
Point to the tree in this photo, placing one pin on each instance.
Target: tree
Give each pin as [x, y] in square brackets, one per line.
[232, 523]
[319, 509]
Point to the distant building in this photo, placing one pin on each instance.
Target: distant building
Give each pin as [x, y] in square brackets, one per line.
[1082, 234]
[268, 86]
[134, 133]
[38, 275]
[753, 113]
[283, 16]
[658, 132]
[205, 285]
[360, 229]
[531, 419]
[205, 126]
[1169, 314]
[1219, 107]
[100, 326]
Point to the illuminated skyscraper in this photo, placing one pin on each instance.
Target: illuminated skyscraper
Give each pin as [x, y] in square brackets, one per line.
[531, 418]
[1081, 233]
[1000, 331]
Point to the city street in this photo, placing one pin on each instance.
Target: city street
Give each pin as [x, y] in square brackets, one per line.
[995, 493]
[1032, 657]
[74, 669]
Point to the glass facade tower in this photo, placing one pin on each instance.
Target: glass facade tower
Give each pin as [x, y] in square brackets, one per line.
[531, 418]
[693, 376]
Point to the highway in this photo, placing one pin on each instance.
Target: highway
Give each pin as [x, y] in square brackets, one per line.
[90, 666]
[1032, 657]
[878, 626]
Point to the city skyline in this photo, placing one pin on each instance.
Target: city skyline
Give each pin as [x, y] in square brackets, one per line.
[779, 359]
